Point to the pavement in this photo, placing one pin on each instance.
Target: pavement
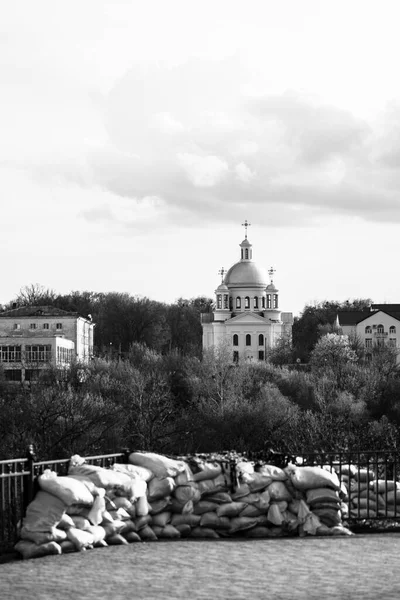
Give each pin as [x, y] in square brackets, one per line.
[340, 568]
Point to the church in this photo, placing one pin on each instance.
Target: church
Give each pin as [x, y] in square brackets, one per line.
[246, 314]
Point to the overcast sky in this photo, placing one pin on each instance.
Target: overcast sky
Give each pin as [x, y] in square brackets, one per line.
[137, 136]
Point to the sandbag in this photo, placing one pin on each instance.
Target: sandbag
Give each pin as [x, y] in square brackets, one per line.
[209, 470]
[134, 470]
[204, 506]
[252, 511]
[328, 516]
[275, 473]
[204, 532]
[29, 549]
[191, 520]
[44, 512]
[184, 493]
[67, 489]
[364, 475]
[304, 478]
[167, 532]
[43, 537]
[147, 534]
[117, 540]
[160, 488]
[98, 533]
[393, 497]
[65, 522]
[259, 499]
[274, 515]
[104, 478]
[184, 529]
[160, 466]
[81, 539]
[141, 522]
[159, 505]
[132, 536]
[211, 486]
[323, 494]
[241, 524]
[213, 521]
[256, 481]
[161, 519]
[95, 514]
[278, 491]
[230, 510]
[80, 522]
[242, 490]
[382, 485]
[220, 498]
[142, 506]
[185, 477]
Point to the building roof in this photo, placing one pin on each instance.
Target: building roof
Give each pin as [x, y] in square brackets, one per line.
[389, 308]
[38, 311]
[246, 274]
[352, 317]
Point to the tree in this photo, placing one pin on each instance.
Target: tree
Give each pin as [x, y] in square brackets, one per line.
[332, 354]
[34, 294]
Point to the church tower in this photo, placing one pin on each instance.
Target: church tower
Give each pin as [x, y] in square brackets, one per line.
[246, 312]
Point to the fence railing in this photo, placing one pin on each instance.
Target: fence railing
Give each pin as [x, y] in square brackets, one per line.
[366, 503]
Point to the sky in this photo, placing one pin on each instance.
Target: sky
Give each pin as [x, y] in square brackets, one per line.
[137, 137]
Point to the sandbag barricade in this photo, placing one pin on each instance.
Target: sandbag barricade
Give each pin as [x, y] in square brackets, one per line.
[155, 497]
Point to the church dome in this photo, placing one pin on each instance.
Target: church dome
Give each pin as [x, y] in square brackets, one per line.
[271, 287]
[246, 274]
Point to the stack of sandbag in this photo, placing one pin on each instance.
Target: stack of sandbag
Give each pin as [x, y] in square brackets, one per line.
[370, 497]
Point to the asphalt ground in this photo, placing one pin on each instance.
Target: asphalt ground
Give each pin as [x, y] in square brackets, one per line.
[360, 566]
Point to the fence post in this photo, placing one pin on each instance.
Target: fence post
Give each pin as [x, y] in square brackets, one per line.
[29, 483]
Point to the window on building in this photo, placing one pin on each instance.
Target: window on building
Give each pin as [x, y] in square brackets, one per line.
[238, 302]
[248, 339]
[10, 354]
[17, 326]
[368, 342]
[275, 300]
[268, 300]
[236, 340]
[241, 253]
[31, 374]
[261, 355]
[235, 356]
[219, 302]
[33, 326]
[45, 326]
[226, 300]
[392, 330]
[247, 302]
[261, 340]
[263, 302]
[392, 342]
[230, 303]
[380, 329]
[368, 329]
[255, 302]
[246, 253]
[38, 353]
[13, 375]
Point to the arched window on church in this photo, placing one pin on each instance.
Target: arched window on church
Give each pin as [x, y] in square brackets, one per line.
[247, 302]
[261, 340]
[235, 339]
[268, 300]
[246, 252]
[248, 339]
[225, 300]
[238, 302]
[255, 302]
[219, 301]
[230, 303]
[275, 300]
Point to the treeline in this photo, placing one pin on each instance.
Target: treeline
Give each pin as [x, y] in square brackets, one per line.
[177, 404]
[122, 319]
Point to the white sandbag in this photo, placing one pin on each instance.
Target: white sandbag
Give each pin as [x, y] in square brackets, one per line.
[160, 488]
[160, 505]
[95, 515]
[134, 471]
[142, 506]
[242, 490]
[185, 477]
[260, 499]
[230, 510]
[311, 524]
[67, 489]
[275, 473]
[29, 549]
[81, 539]
[80, 522]
[98, 533]
[364, 475]
[278, 491]
[209, 470]
[256, 481]
[303, 512]
[65, 522]
[44, 512]
[161, 466]
[304, 478]
[184, 493]
[103, 478]
[43, 537]
[211, 486]
[382, 485]
[113, 527]
[274, 515]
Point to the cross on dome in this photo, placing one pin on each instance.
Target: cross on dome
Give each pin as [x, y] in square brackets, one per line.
[222, 273]
[246, 225]
[271, 272]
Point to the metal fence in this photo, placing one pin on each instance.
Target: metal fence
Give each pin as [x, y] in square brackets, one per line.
[368, 503]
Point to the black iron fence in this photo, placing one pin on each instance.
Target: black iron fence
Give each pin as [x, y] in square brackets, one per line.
[370, 483]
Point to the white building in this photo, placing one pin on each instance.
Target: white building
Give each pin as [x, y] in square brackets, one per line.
[31, 337]
[246, 314]
[378, 325]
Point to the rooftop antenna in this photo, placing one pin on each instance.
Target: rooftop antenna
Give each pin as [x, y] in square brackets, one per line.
[222, 273]
[271, 272]
[246, 225]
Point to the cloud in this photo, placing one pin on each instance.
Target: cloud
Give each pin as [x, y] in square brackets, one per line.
[203, 171]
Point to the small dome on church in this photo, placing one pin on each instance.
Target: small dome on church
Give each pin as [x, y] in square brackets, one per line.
[245, 243]
[222, 288]
[246, 274]
[271, 287]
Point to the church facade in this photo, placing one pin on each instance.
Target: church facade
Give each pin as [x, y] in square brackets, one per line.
[246, 314]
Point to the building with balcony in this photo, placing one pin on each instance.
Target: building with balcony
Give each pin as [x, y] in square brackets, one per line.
[378, 325]
[32, 337]
[246, 314]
